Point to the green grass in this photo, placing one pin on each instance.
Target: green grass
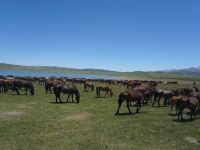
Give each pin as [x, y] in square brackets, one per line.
[90, 124]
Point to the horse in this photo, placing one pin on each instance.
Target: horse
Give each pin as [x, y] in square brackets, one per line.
[48, 86]
[71, 90]
[130, 96]
[88, 86]
[174, 102]
[165, 94]
[105, 88]
[27, 85]
[190, 103]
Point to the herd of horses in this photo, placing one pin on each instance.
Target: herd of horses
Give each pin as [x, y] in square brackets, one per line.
[140, 93]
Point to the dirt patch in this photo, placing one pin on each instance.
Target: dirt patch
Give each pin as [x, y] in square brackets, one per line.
[12, 113]
[192, 140]
[77, 117]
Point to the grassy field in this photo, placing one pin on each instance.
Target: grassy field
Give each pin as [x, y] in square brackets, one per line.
[35, 122]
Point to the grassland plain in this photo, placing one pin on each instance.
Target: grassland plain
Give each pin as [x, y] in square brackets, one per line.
[36, 122]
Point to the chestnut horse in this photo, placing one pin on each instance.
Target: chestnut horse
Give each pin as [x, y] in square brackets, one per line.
[106, 89]
[130, 96]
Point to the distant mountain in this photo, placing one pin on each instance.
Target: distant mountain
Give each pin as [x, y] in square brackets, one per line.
[4, 66]
[187, 71]
[165, 74]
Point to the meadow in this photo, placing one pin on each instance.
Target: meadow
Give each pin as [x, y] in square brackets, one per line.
[37, 122]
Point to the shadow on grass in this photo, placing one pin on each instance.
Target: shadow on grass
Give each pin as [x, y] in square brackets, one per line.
[101, 97]
[23, 94]
[159, 106]
[128, 114]
[186, 120]
[172, 115]
[60, 103]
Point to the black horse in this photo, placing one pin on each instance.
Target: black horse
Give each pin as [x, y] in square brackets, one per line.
[27, 85]
[71, 90]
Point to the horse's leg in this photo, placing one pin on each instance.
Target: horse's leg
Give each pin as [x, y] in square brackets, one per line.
[139, 105]
[191, 113]
[119, 105]
[165, 101]
[172, 106]
[26, 89]
[127, 103]
[155, 97]
[106, 94]
[17, 90]
[59, 98]
[68, 98]
[159, 101]
[181, 114]
[72, 97]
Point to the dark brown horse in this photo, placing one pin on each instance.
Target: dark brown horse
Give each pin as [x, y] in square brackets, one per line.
[105, 88]
[187, 102]
[130, 96]
[71, 90]
[27, 85]
[48, 86]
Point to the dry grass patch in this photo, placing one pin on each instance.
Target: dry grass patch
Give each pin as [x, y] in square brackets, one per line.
[77, 117]
[12, 113]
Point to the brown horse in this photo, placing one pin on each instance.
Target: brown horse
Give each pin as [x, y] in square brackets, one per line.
[187, 102]
[71, 90]
[88, 86]
[130, 96]
[174, 102]
[106, 89]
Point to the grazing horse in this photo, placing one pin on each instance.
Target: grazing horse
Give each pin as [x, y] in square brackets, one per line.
[130, 96]
[48, 86]
[71, 90]
[88, 86]
[190, 103]
[105, 88]
[27, 85]
[174, 102]
[165, 94]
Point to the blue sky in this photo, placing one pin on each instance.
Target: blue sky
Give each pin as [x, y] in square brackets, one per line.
[123, 35]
